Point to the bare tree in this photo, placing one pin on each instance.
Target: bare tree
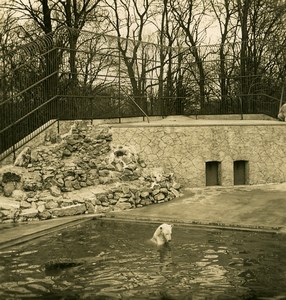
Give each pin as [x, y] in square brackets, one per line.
[190, 15]
[8, 42]
[75, 16]
[167, 30]
[260, 21]
[129, 19]
[225, 12]
[53, 14]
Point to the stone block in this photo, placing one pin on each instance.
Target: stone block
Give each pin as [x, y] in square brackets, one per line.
[55, 191]
[76, 185]
[41, 208]
[67, 203]
[90, 208]
[119, 167]
[23, 159]
[127, 172]
[176, 185]
[8, 203]
[105, 203]
[8, 188]
[29, 213]
[19, 195]
[145, 202]
[159, 197]
[125, 189]
[44, 215]
[123, 205]
[71, 210]
[89, 182]
[45, 196]
[32, 184]
[164, 191]
[25, 204]
[144, 194]
[9, 213]
[51, 204]
[103, 173]
[68, 186]
[175, 192]
[123, 199]
[113, 201]
[155, 192]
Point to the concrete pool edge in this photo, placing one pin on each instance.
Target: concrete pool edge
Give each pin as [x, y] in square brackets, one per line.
[197, 224]
[22, 233]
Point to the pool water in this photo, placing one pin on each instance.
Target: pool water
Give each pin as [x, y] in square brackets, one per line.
[109, 259]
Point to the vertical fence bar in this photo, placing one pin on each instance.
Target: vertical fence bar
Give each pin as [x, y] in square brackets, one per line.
[119, 85]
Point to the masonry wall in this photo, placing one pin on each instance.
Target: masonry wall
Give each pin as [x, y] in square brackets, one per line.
[185, 150]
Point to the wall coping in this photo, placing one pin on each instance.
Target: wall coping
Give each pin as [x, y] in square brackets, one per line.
[198, 123]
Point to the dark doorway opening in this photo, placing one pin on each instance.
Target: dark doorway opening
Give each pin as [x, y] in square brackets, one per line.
[213, 173]
[240, 172]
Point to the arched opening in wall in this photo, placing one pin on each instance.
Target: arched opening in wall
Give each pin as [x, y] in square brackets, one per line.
[213, 173]
[240, 172]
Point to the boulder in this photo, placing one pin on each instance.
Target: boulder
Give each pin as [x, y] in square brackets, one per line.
[176, 185]
[34, 156]
[32, 182]
[122, 205]
[45, 196]
[25, 204]
[8, 188]
[175, 192]
[155, 192]
[55, 191]
[29, 213]
[41, 208]
[51, 204]
[19, 195]
[90, 208]
[24, 158]
[45, 215]
[6, 204]
[159, 197]
[144, 194]
[10, 214]
[71, 210]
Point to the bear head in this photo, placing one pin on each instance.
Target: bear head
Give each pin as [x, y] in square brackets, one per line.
[163, 234]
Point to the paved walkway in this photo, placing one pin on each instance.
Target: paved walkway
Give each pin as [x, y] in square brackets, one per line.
[260, 207]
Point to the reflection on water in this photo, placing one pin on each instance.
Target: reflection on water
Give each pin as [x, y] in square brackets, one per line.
[113, 260]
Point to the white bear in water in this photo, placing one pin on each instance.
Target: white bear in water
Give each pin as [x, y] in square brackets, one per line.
[162, 235]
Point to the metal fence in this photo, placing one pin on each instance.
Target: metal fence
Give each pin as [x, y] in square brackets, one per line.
[48, 82]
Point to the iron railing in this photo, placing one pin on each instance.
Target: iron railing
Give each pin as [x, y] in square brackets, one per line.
[43, 89]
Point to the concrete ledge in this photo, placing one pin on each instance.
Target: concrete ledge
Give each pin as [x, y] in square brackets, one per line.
[197, 224]
[198, 123]
[15, 234]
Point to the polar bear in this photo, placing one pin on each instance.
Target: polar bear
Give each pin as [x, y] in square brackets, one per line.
[162, 235]
[282, 113]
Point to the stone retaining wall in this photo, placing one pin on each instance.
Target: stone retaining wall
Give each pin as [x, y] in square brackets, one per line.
[185, 150]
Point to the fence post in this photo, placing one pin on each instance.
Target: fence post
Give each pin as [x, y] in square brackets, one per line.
[241, 108]
[14, 153]
[119, 85]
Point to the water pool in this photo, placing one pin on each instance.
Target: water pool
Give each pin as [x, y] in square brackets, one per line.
[108, 259]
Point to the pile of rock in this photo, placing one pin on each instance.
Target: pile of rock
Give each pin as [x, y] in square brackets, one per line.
[79, 173]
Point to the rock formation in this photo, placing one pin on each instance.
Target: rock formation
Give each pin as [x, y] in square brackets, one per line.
[81, 172]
